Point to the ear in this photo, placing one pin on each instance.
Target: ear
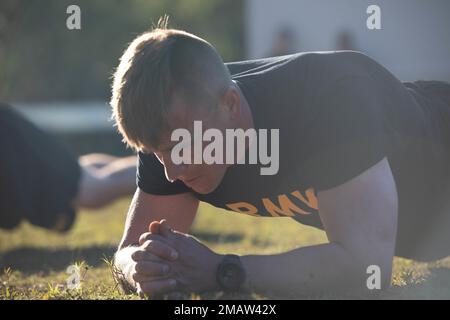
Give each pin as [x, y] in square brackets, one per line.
[231, 103]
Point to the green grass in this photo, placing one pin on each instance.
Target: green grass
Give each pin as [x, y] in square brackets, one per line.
[33, 262]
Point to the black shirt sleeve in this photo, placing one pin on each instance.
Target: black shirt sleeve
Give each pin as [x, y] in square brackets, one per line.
[348, 132]
[151, 177]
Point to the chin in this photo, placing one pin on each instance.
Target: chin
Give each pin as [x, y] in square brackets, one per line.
[205, 188]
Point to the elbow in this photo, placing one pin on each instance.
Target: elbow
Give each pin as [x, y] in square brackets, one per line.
[120, 270]
[373, 274]
[369, 270]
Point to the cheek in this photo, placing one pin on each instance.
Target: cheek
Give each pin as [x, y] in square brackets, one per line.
[215, 173]
[211, 178]
[207, 172]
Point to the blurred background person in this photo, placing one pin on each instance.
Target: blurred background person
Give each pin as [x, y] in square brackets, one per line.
[408, 43]
[345, 41]
[44, 183]
[284, 43]
[60, 152]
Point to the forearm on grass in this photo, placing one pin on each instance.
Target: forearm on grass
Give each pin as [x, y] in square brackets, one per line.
[305, 271]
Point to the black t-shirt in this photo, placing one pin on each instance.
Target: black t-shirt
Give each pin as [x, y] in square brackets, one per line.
[338, 114]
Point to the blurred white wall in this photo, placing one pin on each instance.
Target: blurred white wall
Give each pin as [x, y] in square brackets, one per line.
[414, 42]
[69, 117]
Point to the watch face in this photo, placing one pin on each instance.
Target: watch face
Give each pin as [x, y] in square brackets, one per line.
[231, 276]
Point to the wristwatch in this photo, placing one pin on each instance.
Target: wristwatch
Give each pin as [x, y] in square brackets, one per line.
[230, 273]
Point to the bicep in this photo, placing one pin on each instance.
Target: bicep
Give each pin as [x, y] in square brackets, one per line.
[179, 210]
[361, 214]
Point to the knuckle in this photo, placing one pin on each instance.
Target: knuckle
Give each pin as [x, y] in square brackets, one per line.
[148, 243]
[164, 269]
[152, 288]
[135, 277]
[154, 246]
[143, 237]
[136, 255]
[145, 245]
[171, 284]
[138, 268]
[148, 269]
[147, 288]
[167, 252]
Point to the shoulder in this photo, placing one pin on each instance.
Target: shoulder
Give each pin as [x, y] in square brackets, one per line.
[342, 60]
[328, 67]
[270, 65]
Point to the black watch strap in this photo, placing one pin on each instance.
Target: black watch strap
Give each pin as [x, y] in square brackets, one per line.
[230, 273]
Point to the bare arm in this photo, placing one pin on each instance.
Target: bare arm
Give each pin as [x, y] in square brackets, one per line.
[179, 210]
[360, 218]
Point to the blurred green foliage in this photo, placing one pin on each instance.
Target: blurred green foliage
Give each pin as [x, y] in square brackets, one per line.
[41, 60]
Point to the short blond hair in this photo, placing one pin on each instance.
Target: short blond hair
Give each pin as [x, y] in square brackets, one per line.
[157, 64]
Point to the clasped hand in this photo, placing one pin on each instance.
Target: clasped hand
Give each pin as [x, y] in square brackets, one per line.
[170, 261]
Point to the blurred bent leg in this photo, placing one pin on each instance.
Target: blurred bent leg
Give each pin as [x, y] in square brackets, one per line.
[96, 160]
[100, 186]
